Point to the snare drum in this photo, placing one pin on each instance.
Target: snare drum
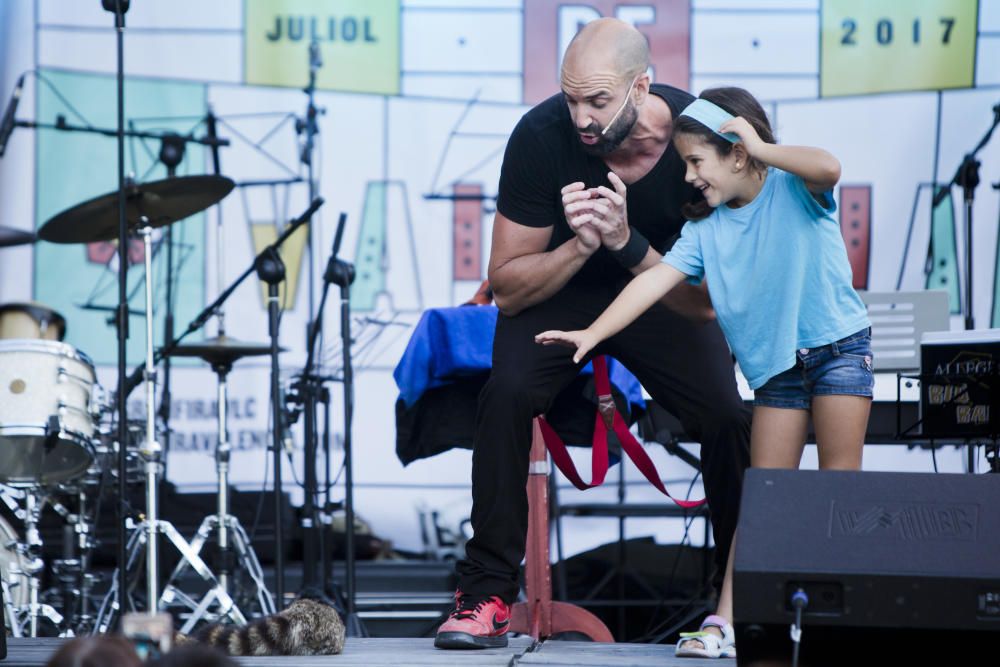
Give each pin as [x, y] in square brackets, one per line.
[31, 320]
[46, 411]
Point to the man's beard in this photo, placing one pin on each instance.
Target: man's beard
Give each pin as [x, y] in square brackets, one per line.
[617, 132]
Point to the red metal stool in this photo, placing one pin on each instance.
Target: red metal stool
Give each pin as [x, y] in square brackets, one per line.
[541, 616]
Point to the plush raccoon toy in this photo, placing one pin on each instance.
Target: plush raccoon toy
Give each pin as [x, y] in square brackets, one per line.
[306, 627]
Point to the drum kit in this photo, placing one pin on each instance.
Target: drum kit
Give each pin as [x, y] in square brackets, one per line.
[58, 447]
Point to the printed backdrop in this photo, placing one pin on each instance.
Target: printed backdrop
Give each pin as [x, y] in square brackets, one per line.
[416, 99]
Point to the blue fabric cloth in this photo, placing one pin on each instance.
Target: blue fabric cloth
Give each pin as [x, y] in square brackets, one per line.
[778, 272]
[450, 343]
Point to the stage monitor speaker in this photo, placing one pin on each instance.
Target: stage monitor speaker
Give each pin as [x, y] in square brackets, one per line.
[896, 567]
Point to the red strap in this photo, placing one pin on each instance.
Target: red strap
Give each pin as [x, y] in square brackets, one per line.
[608, 419]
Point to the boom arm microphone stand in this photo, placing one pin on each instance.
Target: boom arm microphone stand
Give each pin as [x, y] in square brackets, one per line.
[198, 322]
[967, 176]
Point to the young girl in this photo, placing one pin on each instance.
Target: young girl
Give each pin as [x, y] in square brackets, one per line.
[765, 241]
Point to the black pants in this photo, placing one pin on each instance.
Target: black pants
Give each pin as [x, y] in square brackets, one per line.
[686, 367]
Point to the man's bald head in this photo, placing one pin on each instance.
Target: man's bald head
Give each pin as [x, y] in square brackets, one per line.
[607, 45]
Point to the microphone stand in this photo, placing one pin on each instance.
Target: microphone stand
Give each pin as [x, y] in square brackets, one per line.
[119, 7]
[271, 270]
[309, 126]
[967, 176]
[309, 392]
[341, 273]
[171, 154]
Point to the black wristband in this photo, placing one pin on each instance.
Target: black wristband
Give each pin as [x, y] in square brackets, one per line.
[634, 251]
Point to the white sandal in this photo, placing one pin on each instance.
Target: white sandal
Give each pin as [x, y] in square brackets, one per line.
[712, 645]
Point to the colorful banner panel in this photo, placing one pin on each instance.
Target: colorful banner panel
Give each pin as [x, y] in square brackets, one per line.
[879, 46]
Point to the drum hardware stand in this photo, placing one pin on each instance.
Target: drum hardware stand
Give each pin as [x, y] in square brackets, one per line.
[10, 612]
[72, 570]
[227, 525]
[146, 534]
[31, 549]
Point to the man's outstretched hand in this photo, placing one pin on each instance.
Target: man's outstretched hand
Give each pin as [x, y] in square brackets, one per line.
[584, 341]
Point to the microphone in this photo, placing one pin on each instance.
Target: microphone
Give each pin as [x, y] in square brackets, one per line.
[621, 108]
[7, 125]
[338, 271]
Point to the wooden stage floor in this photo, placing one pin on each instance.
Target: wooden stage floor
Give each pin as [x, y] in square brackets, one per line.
[405, 652]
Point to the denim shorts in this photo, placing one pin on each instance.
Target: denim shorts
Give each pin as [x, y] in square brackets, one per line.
[843, 367]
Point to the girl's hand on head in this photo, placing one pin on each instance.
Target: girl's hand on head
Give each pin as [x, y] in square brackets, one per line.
[582, 340]
[744, 130]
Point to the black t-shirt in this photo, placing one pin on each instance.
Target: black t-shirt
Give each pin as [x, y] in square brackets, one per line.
[544, 154]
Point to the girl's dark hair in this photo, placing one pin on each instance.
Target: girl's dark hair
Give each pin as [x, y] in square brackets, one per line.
[737, 102]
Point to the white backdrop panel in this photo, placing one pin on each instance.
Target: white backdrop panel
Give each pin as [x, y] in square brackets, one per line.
[174, 55]
[486, 41]
[744, 42]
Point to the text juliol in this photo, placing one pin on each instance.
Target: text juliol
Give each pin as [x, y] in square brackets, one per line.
[330, 29]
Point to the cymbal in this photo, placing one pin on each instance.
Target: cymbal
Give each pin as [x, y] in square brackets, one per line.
[222, 349]
[10, 237]
[161, 202]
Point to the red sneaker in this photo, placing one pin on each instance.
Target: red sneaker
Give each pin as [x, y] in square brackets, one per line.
[476, 622]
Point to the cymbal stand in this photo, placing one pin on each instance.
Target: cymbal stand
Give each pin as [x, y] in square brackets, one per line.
[225, 524]
[146, 534]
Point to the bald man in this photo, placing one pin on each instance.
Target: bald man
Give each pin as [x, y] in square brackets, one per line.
[590, 194]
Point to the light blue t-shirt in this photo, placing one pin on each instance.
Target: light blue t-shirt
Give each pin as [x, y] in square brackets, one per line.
[778, 273]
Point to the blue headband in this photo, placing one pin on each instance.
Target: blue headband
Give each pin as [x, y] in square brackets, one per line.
[711, 116]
